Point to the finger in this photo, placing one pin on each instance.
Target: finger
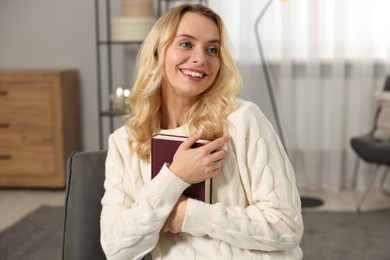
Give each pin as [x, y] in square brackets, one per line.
[187, 144]
[217, 143]
[182, 198]
[219, 163]
[217, 155]
[216, 171]
[164, 229]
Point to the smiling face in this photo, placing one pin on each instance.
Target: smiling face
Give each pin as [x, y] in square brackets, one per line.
[192, 59]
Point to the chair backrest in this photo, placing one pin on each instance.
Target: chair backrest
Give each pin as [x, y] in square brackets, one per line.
[84, 191]
[386, 87]
[387, 84]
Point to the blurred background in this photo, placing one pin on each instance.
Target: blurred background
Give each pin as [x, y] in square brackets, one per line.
[325, 59]
[314, 67]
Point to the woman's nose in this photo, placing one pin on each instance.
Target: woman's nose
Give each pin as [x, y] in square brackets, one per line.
[198, 56]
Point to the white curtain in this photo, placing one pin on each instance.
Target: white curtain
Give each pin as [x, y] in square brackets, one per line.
[326, 59]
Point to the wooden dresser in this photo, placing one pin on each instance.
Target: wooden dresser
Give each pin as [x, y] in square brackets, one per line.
[39, 127]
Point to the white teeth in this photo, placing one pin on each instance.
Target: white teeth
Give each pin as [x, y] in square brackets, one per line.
[193, 73]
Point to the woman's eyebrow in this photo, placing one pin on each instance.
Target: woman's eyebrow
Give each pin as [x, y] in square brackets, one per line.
[184, 35]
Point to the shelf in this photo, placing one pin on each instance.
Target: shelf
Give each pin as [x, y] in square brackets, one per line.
[106, 46]
[119, 42]
[114, 113]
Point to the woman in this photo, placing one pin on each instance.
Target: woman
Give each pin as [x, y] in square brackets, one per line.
[186, 85]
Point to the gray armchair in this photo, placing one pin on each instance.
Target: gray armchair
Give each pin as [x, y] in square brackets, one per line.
[84, 191]
[374, 152]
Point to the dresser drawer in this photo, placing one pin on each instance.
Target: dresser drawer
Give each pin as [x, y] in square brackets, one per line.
[21, 97]
[37, 129]
[33, 160]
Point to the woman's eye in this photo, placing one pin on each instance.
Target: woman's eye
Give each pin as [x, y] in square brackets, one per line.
[213, 50]
[186, 44]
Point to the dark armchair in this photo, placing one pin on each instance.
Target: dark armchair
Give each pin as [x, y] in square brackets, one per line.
[374, 152]
[84, 192]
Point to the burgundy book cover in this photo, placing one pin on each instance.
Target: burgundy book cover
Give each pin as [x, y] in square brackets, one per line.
[163, 149]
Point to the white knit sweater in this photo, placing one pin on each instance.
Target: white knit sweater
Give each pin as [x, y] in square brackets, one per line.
[255, 211]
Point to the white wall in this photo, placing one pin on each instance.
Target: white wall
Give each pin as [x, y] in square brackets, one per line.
[52, 34]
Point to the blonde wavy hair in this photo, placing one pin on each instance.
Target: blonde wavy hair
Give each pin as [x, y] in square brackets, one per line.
[214, 105]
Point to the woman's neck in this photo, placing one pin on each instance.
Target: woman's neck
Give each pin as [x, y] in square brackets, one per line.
[172, 115]
[172, 111]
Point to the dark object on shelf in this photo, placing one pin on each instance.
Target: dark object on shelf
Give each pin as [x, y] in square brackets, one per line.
[372, 151]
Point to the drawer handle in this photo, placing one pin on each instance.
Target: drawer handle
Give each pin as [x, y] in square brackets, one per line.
[3, 93]
[4, 125]
[5, 157]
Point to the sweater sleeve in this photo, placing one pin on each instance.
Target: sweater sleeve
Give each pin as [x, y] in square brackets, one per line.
[272, 221]
[130, 224]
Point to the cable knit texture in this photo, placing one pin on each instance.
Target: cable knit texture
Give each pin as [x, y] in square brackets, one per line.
[255, 211]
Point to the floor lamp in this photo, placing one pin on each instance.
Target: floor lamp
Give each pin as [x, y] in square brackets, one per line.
[306, 201]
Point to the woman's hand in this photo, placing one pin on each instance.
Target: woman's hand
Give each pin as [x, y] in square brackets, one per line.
[194, 165]
[175, 220]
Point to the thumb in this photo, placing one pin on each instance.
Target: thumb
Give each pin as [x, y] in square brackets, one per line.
[192, 139]
[164, 229]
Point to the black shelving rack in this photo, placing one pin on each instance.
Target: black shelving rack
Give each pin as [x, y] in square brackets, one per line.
[163, 5]
[107, 46]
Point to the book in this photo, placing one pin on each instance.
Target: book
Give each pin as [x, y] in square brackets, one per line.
[163, 148]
